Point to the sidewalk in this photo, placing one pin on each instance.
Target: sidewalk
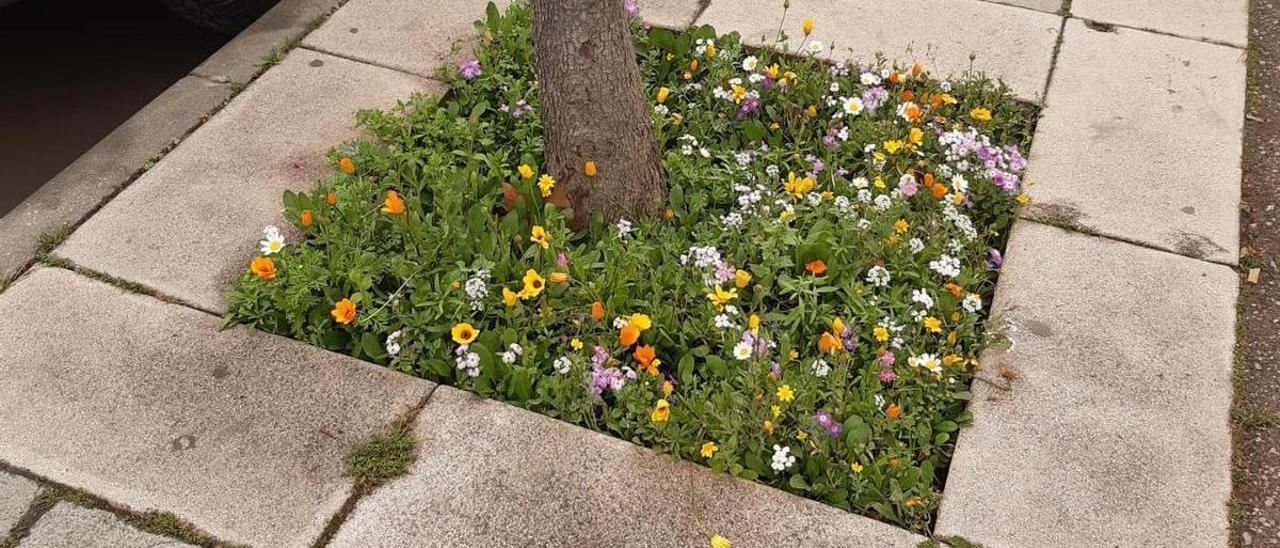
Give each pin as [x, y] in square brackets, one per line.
[1119, 284]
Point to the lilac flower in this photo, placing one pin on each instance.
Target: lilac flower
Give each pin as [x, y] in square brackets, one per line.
[872, 98]
[828, 423]
[908, 185]
[470, 69]
[633, 7]
[887, 376]
[562, 259]
[994, 259]
[775, 370]
[599, 356]
[886, 358]
[603, 378]
[522, 108]
[749, 105]
[725, 271]
[815, 162]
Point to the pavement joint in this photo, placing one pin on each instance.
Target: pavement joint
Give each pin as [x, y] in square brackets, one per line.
[370, 62]
[1107, 26]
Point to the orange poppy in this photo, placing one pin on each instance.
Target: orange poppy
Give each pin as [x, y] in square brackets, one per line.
[344, 311]
[347, 166]
[264, 268]
[893, 411]
[817, 267]
[393, 205]
[331, 198]
[629, 335]
[305, 218]
[597, 310]
[828, 342]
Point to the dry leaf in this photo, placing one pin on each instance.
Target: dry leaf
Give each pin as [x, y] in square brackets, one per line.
[1253, 275]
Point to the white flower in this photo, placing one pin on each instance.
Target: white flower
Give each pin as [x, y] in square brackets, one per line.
[722, 321]
[852, 105]
[661, 110]
[468, 361]
[624, 229]
[946, 265]
[562, 364]
[749, 64]
[512, 354]
[916, 245]
[782, 458]
[869, 79]
[742, 351]
[730, 310]
[921, 296]
[821, 368]
[927, 361]
[878, 276]
[508, 357]
[393, 343]
[814, 47]
[883, 202]
[861, 182]
[272, 241]
[620, 322]
[879, 400]
[772, 170]
[972, 303]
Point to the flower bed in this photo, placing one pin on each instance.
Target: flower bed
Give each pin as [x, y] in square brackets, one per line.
[805, 313]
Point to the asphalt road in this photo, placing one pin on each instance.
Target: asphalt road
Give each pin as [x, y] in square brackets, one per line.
[73, 70]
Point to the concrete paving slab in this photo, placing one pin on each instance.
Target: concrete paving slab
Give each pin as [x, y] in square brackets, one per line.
[1116, 431]
[1011, 43]
[672, 14]
[16, 495]
[69, 526]
[82, 186]
[490, 474]
[1225, 21]
[418, 39]
[1141, 140]
[190, 225]
[240, 59]
[1051, 6]
[149, 405]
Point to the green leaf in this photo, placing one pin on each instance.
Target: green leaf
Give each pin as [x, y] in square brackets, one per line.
[797, 481]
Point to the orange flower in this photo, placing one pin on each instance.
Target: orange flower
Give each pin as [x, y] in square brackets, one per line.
[893, 411]
[344, 311]
[667, 388]
[954, 289]
[939, 190]
[912, 112]
[331, 197]
[393, 205]
[305, 217]
[829, 342]
[768, 428]
[347, 166]
[558, 277]
[629, 335]
[817, 267]
[597, 310]
[644, 354]
[916, 70]
[264, 268]
[893, 77]
[590, 168]
[908, 95]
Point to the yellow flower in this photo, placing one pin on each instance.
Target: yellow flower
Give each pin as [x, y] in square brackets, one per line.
[1023, 199]
[917, 136]
[676, 118]
[980, 114]
[663, 92]
[711, 49]
[589, 169]
[741, 278]
[526, 172]
[879, 182]
[667, 387]
[509, 297]
[464, 333]
[768, 427]
[785, 394]
[576, 343]
[539, 236]
[933, 324]
[753, 322]
[720, 297]
[739, 92]
[533, 284]
[881, 334]
[837, 326]
[558, 277]
[901, 226]
[775, 410]
[806, 25]
[641, 321]
[797, 186]
[811, 112]
[802, 435]
[545, 183]
[892, 147]
[857, 468]
[661, 411]
[717, 541]
[708, 449]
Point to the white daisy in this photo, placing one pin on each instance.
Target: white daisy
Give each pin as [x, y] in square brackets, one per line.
[272, 242]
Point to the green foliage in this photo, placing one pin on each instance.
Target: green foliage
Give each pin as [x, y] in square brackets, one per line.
[382, 458]
[820, 184]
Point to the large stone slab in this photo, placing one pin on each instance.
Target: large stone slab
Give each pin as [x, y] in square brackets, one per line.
[1141, 140]
[1051, 6]
[16, 495]
[190, 225]
[82, 186]
[241, 58]
[490, 474]
[1116, 431]
[1224, 21]
[1008, 42]
[69, 526]
[149, 405]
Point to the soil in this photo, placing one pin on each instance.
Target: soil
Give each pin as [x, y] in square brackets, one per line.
[1256, 509]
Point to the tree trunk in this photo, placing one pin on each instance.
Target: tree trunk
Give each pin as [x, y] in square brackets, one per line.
[594, 109]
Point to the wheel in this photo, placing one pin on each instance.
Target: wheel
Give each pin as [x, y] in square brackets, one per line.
[225, 16]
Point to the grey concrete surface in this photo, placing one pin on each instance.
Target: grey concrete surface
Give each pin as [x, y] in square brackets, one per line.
[490, 474]
[16, 495]
[1224, 21]
[1050, 6]
[1010, 43]
[1142, 141]
[241, 58]
[191, 225]
[1116, 431]
[82, 186]
[69, 526]
[150, 405]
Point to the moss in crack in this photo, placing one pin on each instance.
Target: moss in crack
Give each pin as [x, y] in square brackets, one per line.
[382, 458]
[47, 242]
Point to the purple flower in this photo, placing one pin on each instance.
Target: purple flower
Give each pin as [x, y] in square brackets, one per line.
[815, 162]
[908, 185]
[603, 378]
[748, 106]
[887, 376]
[600, 356]
[828, 423]
[775, 369]
[470, 69]
[994, 259]
[632, 6]
[522, 108]
[562, 259]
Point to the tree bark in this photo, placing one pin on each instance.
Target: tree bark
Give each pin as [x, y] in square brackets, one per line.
[593, 109]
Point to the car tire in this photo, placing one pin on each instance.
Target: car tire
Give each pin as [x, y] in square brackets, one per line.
[225, 16]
